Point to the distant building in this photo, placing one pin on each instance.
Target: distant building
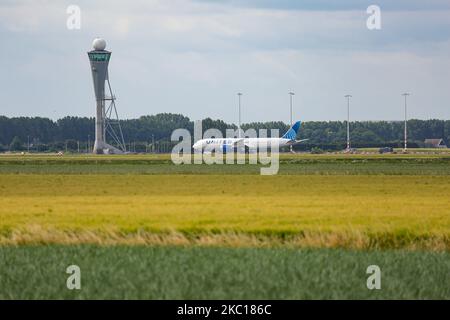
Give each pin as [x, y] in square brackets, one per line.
[435, 143]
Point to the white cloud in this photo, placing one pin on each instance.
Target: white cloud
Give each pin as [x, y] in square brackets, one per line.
[192, 57]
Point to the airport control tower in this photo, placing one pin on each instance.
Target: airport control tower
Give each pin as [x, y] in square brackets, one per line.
[106, 117]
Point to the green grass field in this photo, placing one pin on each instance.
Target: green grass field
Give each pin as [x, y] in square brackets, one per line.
[325, 164]
[141, 272]
[141, 227]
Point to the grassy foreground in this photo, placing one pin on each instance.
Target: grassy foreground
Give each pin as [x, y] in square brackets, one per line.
[352, 211]
[290, 164]
[141, 272]
[141, 227]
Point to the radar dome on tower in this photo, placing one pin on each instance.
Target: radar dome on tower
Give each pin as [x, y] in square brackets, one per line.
[99, 44]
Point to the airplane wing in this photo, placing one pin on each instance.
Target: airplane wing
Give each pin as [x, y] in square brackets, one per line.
[293, 142]
[235, 143]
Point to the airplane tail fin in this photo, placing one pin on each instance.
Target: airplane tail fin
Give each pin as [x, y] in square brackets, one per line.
[291, 134]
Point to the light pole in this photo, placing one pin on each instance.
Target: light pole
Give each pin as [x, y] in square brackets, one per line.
[153, 143]
[291, 96]
[28, 146]
[239, 120]
[406, 94]
[348, 96]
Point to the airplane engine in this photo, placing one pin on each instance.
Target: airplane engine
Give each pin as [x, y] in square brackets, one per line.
[227, 148]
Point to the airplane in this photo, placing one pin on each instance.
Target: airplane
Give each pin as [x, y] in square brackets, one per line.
[229, 144]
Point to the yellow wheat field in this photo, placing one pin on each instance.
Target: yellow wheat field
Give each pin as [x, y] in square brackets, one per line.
[318, 211]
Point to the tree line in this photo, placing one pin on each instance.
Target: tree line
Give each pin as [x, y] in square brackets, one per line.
[77, 133]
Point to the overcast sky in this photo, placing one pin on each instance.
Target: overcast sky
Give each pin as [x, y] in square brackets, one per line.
[192, 57]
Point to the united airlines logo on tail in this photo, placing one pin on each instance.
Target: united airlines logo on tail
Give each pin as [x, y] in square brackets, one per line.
[292, 132]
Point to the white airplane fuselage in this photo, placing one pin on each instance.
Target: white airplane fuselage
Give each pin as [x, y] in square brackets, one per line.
[228, 144]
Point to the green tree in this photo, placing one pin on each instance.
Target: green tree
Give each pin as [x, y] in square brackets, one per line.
[52, 135]
[72, 145]
[16, 144]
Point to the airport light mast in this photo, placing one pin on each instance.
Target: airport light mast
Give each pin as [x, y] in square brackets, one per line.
[348, 96]
[291, 96]
[406, 94]
[239, 94]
